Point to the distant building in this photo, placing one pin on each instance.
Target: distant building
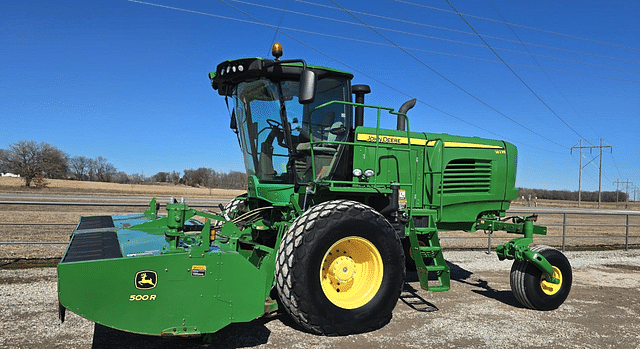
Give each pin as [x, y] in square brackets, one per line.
[8, 174]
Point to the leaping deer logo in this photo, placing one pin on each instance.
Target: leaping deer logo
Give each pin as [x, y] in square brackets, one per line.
[146, 279]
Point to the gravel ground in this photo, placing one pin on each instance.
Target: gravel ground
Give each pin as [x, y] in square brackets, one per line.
[479, 311]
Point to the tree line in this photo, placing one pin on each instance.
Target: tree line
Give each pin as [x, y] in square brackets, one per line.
[42, 160]
[32, 160]
[607, 196]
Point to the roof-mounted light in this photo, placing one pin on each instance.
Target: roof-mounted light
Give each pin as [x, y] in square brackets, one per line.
[276, 50]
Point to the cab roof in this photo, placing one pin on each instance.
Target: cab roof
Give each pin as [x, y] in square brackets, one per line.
[232, 72]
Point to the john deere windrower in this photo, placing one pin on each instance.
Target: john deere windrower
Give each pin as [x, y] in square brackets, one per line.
[333, 211]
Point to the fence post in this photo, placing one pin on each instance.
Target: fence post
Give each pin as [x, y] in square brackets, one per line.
[626, 236]
[564, 230]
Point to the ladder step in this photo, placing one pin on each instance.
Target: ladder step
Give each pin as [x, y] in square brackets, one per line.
[430, 248]
[437, 267]
[438, 288]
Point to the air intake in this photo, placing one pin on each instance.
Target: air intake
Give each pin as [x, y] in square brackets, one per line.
[467, 176]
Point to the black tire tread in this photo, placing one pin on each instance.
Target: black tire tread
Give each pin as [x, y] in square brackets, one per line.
[231, 208]
[301, 231]
[518, 279]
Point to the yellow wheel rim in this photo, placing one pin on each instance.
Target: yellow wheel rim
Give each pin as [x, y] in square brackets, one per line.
[351, 272]
[551, 288]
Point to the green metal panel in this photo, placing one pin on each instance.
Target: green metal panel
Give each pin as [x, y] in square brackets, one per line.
[459, 176]
[180, 295]
[276, 194]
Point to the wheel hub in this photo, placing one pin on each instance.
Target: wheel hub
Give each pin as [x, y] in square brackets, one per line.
[351, 272]
[343, 268]
[550, 288]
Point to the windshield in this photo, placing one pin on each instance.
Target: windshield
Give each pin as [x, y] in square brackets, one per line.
[267, 147]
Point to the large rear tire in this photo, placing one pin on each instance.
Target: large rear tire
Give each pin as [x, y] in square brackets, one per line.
[532, 291]
[340, 269]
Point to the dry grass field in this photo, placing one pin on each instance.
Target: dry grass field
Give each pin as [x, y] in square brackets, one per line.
[12, 189]
[65, 187]
[584, 231]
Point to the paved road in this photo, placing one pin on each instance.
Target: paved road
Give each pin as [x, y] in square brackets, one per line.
[479, 311]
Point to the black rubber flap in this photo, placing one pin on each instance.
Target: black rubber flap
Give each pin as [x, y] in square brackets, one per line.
[95, 222]
[92, 246]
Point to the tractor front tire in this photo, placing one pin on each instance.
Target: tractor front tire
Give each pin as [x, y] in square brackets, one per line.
[532, 291]
[233, 209]
[340, 269]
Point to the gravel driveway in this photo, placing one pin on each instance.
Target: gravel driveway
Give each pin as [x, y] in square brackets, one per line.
[479, 311]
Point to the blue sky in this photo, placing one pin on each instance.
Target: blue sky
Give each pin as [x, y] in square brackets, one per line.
[128, 80]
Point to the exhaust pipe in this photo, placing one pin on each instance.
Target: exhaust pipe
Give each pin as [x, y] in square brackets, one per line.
[401, 123]
[360, 91]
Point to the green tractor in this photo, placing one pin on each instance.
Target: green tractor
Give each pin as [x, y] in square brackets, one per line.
[334, 213]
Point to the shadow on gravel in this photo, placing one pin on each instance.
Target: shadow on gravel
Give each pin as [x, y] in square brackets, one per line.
[464, 276]
[239, 335]
[411, 298]
[25, 263]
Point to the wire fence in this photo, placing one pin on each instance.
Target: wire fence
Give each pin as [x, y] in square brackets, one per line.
[576, 229]
[605, 229]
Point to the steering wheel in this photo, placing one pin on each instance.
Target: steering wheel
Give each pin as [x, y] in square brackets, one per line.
[276, 131]
[273, 123]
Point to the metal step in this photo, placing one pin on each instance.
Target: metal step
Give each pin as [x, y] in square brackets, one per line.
[433, 251]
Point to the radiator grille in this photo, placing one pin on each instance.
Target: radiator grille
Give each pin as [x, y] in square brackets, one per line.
[467, 176]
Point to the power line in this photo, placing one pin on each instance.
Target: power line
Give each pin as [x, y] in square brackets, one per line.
[445, 53]
[372, 78]
[580, 146]
[617, 183]
[259, 22]
[443, 39]
[279, 24]
[514, 73]
[467, 33]
[536, 61]
[524, 26]
[371, 42]
[616, 165]
[448, 80]
[538, 64]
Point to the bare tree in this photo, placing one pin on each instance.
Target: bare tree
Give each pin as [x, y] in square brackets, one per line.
[92, 169]
[28, 159]
[120, 177]
[160, 177]
[79, 167]
[175, 177]
[2, 165]
[104, 171]
[55, 162]
[136, 178]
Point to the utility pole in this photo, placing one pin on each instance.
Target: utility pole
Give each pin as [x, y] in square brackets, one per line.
[601, 146]
[627, 182]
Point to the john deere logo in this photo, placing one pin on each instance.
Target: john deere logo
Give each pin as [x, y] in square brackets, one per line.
[146, 279]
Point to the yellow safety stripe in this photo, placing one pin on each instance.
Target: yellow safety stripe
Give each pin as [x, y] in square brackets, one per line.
[390, 139]
[419, 141]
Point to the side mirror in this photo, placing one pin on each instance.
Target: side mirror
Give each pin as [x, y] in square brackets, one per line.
[308, 82]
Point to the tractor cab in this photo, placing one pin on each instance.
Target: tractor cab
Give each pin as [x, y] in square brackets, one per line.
[287, 127]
